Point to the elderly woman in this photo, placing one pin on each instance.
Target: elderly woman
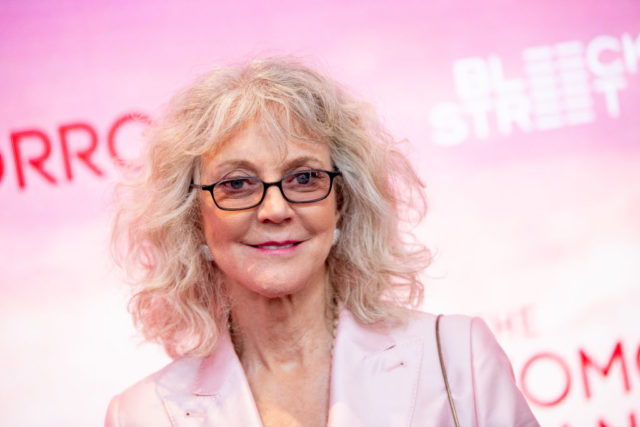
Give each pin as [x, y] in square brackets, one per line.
[265, 239]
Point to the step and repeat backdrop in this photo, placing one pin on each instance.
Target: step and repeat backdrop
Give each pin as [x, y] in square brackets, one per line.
[523, 119]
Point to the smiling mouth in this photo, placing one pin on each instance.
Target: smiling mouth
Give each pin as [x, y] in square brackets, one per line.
[276, 245]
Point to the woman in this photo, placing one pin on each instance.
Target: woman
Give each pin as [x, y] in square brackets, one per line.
[264, 238]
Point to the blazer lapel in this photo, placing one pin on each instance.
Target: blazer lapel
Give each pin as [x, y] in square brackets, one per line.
[374, 381]
[210, 392]
[375, 375]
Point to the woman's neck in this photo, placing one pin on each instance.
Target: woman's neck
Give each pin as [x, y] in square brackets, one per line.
[285, 333]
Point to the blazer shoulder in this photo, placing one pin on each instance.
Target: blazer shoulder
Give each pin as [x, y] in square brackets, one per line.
[421, 325]
[453, 327]
[421, 321]
[479, 370]
[142, 404]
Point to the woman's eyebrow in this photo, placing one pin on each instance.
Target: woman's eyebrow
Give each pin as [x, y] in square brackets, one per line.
[309, 161]
[302, 161]
[288, 164]
[236, 163]
[214, 172]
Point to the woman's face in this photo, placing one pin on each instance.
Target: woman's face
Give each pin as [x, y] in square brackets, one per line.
[277, 248]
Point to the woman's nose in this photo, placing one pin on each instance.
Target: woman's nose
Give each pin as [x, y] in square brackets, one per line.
[274, 207]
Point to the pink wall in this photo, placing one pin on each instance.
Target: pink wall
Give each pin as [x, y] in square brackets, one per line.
[521, 117]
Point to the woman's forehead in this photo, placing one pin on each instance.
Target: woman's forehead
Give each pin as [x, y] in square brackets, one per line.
[253, 144]
[277, 127]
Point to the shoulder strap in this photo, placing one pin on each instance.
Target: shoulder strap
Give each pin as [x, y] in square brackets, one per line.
[444, 373]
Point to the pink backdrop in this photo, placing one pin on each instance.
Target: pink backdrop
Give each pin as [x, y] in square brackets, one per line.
[522, 118]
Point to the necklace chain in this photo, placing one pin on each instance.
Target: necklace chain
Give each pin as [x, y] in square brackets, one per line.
[334, 329]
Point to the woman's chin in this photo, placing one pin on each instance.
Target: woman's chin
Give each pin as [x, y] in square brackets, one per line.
[276, 290]
[280, 287]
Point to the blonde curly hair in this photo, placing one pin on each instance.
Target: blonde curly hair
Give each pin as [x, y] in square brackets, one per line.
[157, 235]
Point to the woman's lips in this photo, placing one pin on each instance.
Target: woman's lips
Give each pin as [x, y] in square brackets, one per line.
[277, 247]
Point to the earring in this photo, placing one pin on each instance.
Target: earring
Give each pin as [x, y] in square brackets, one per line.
[206, 252]
[336, 236]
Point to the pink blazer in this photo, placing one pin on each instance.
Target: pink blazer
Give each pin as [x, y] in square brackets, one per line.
[382, 376]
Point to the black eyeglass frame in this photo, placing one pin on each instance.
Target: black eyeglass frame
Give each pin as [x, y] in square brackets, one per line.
[266, 185]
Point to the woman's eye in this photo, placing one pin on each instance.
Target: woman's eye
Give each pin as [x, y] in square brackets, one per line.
[236, 184]
[303, 177]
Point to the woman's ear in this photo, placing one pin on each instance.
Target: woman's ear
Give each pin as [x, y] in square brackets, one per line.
[336, 236]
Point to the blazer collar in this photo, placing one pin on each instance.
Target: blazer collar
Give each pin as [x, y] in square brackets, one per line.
[373, 382]
[212, 392]
[375, 374]
[218, 369]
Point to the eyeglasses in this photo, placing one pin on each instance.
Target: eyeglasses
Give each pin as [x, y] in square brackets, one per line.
[246, 192]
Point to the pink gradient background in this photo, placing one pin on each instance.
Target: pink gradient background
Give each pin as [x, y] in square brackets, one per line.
[536, 231]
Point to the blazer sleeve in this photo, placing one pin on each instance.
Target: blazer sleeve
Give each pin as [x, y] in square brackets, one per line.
[111, 420]
[138, 406]
[498, 401]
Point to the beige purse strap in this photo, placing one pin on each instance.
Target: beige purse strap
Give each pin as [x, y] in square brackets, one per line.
[444, 372]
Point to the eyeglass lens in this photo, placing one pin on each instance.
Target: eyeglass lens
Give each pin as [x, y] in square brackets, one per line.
[299, 186]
